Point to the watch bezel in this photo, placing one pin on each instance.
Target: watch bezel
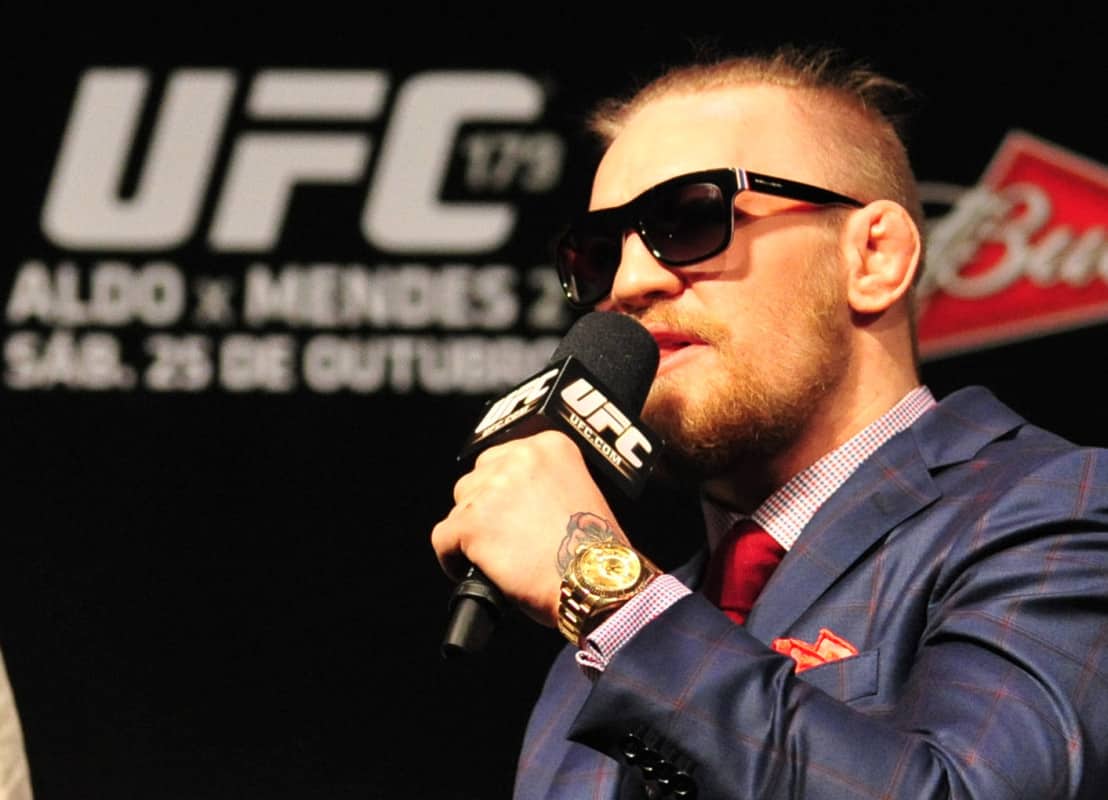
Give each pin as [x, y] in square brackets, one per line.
[582, 606]
[588, 578]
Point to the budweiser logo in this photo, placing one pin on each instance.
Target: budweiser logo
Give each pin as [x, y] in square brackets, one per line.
[1022, 254]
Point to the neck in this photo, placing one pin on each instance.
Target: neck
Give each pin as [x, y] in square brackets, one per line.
[862, 397]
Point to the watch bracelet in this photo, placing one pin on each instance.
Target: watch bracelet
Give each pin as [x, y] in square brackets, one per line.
[573, 612]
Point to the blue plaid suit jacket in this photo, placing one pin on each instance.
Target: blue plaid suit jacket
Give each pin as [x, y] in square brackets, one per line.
[967, 561]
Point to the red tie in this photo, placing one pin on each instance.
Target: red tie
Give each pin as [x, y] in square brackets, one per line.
[740, 568]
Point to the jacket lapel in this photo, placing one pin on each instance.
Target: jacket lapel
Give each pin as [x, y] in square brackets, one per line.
[891, 486]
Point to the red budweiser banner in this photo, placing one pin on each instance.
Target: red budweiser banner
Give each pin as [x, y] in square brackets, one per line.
[1022, 254]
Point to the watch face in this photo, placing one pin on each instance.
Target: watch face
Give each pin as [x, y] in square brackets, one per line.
[609, 568]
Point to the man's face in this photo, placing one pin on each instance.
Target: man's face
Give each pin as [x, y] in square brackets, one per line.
[754, 340]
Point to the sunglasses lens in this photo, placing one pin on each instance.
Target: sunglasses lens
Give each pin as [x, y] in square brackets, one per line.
[587, 263]
[681, 223]
[688, 222]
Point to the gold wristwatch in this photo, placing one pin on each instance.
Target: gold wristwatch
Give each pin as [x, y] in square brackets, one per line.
[601, 577]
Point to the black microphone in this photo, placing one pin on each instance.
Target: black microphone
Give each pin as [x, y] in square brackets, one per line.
[592, 389]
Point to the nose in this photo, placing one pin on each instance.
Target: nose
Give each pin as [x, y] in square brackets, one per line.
[641, 279]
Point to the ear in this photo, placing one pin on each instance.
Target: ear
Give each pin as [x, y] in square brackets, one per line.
[882, 251]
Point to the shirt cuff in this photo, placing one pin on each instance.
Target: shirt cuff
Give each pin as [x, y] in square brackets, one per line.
[603, 643]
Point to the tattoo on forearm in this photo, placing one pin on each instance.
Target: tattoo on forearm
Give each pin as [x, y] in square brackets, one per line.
[583, 528]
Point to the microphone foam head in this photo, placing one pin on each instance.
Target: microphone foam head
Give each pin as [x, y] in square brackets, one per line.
[618, 351]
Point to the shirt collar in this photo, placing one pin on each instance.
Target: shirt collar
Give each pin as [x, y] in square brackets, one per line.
[785, 512]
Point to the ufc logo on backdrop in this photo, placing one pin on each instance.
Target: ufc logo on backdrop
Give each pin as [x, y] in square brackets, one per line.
[402, 211]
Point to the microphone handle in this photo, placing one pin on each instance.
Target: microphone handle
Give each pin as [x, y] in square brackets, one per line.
[475, 607]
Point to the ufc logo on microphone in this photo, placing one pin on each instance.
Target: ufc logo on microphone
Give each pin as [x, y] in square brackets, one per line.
[516, 403]
[600, 415]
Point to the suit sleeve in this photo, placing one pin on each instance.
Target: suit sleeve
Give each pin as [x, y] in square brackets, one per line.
[1003, 691]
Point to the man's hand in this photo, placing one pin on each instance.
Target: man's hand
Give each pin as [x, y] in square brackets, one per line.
[520, 515]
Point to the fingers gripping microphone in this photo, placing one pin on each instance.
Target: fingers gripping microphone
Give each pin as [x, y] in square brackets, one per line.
[592, 389]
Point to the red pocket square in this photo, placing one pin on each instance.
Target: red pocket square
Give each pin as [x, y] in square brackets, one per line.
[827, 648]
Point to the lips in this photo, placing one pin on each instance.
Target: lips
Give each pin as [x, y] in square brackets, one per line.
[668, 342]
[674, 346]
[670, 338]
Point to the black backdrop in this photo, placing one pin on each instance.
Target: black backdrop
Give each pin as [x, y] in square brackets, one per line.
[215, 594]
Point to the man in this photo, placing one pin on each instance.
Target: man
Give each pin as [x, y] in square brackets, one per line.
[938, 626]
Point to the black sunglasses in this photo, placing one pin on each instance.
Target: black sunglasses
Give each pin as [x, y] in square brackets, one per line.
[682, 220]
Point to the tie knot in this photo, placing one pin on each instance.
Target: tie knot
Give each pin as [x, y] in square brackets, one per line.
[740, 567]
[743, 527]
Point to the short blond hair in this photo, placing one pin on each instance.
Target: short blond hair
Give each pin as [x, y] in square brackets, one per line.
[864, 110]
